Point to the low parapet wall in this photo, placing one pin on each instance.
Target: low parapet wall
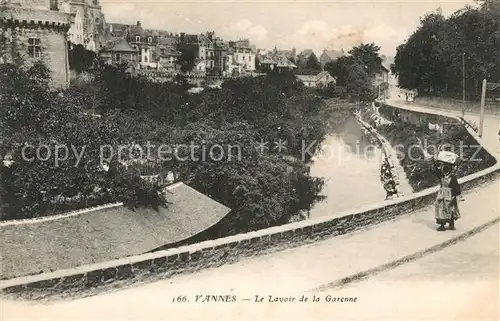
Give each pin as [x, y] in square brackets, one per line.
[188, 259]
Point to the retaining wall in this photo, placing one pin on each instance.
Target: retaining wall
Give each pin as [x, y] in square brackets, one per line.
[188, 259]
[455, 104]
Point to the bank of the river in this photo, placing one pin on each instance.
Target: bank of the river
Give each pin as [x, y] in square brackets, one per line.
[403, 186]
[416, 139]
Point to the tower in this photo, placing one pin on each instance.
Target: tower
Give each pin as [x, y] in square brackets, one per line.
[42, 37]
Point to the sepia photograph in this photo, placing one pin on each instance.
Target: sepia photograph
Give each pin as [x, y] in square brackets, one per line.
[249, 160]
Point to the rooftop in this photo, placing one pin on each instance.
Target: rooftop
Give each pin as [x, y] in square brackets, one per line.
[307, 78]
[333, 54]
[120, 45]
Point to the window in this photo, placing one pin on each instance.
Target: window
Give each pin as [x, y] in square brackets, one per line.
[150, 40]
[137, 39]
[34, 48]
[117, 57]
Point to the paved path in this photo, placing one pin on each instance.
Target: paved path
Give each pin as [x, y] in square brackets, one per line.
[457, 283]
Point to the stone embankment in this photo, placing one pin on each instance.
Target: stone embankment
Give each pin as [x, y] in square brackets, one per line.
[417, 136]
[391, 156]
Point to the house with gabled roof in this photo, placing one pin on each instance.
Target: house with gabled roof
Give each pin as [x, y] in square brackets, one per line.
[276, 62]
[119, 52]
[319, 80]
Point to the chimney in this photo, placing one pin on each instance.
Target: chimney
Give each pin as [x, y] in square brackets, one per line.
[138, 23]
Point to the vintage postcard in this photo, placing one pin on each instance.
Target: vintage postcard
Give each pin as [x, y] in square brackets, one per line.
[249, 160]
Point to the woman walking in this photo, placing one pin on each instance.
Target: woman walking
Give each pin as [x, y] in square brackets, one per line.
[446, 206]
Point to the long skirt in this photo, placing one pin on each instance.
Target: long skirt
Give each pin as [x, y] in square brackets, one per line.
[446, 211]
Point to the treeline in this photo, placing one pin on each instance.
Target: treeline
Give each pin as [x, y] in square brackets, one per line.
[263, 187]
[431, 59]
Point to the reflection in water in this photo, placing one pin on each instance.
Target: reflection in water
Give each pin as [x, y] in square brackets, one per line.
[350, 166]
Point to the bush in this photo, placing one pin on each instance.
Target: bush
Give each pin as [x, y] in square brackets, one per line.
[37, 117]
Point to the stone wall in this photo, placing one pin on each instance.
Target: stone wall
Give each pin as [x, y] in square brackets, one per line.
[54, 51]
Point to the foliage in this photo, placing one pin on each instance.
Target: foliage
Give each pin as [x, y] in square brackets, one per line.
[420, 171]
[431, 59]
[356, 71]
[351, 74]
[312, 63]
[81, 59]
[262, 189]
[187, 58]
[242, 113]
[368, 56]
[36, 184]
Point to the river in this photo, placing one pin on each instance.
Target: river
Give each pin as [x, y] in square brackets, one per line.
[350, 166]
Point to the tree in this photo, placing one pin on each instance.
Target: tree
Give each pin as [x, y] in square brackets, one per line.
[46, 122]
[313, 63]
[431, 59]
[368, 55]
[333, 68]
[262, 190]
[187, 58]
[358, 82]
[81, 59]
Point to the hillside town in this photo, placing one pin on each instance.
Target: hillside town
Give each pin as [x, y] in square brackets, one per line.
[157, 154]
[149, 51]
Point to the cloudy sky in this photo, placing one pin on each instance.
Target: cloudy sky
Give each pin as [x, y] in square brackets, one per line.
[314, 24]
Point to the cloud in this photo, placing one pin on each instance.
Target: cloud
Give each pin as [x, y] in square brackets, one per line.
[388, 38]
[244, 28]
[116, 11]
[319, 35]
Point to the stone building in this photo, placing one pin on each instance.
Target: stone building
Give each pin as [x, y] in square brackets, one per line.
[202, 45]
[243, 54]
[144, 41]
[87, 22]
[34, 30]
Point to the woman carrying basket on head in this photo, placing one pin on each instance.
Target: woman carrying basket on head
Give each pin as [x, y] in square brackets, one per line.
[446, 206]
